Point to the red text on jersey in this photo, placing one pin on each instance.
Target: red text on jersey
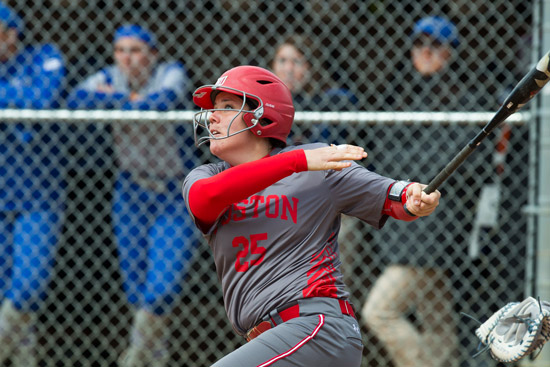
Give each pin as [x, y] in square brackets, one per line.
[250, 254]
[271, 206]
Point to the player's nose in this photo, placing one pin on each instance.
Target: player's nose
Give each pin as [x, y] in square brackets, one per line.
[214, 117]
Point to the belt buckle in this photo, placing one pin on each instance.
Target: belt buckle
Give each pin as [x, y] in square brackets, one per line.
[257, 330]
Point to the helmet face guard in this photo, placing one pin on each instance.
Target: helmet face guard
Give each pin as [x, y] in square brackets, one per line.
[201, 120]
[270, 112]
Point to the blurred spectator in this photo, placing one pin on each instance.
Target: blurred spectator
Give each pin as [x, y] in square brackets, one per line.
[312, 89]
[152, 228]
[431, 78]
[410, 308]
[433, 42]
[32, 187]
[32, 76]
[137, 80]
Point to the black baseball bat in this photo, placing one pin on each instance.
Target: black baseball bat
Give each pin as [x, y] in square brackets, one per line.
[523, 92]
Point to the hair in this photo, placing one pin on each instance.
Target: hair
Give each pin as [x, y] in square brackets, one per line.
[276, 143]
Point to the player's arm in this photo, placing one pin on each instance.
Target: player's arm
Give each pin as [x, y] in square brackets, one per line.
[406, 201]
[209, 197]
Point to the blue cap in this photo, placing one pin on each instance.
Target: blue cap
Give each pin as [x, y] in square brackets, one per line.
[439, 28]
[135, 31]
[10, 18]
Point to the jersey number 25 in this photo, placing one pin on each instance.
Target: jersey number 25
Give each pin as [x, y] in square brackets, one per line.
[247, 256]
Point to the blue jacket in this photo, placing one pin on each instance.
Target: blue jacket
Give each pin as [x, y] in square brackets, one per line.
[33, 78]
[166, 89]
[32, 155]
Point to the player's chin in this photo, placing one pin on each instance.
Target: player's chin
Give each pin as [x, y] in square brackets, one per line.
[216, 147]
[219, 147]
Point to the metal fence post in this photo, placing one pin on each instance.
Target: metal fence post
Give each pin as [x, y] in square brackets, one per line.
[541, 209]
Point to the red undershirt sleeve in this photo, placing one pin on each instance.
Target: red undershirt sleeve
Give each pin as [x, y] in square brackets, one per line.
[210, 197]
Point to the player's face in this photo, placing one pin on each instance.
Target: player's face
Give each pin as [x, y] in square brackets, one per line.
[291, 66]
[221, 121]
[429, 57]
[134, 57]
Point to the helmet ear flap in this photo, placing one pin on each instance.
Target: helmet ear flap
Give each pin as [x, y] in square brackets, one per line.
[253, 118]
[250, 119]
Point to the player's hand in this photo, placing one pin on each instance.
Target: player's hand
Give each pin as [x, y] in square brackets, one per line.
[336, 157]
[419, 203]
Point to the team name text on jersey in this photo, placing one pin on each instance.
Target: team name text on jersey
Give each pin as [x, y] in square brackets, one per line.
[272, 206]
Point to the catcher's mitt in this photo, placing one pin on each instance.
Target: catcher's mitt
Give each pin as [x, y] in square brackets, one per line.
[516, 330]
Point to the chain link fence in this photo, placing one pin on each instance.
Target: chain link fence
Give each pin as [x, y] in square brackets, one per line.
[74, 215]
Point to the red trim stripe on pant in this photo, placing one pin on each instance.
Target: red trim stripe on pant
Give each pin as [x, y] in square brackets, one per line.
[297, 346]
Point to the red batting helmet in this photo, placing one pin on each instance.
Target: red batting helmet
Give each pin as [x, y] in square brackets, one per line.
[272, 111]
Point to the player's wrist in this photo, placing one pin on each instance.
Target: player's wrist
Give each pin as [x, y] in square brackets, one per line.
[398, 191]
[301, 160]
[396, 200]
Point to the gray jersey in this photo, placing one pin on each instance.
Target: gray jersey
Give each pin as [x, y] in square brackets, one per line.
[280, 244]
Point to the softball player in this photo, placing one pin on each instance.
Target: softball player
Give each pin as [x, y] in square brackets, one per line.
[271, 215]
